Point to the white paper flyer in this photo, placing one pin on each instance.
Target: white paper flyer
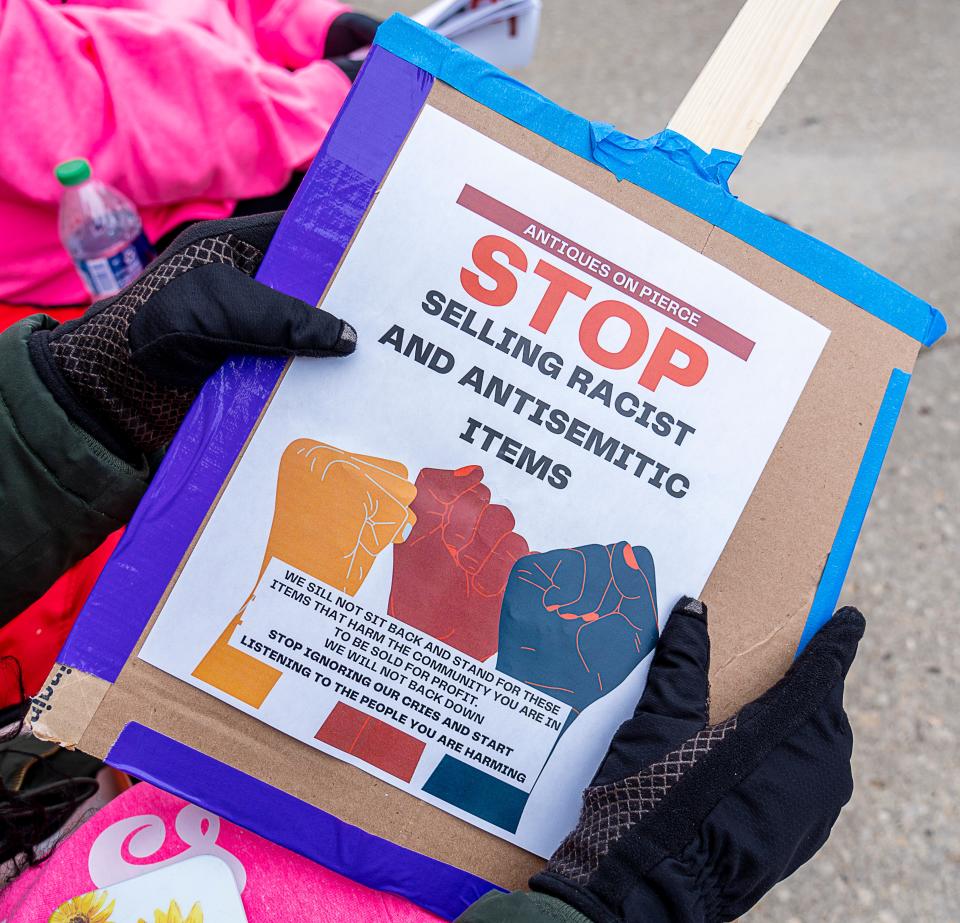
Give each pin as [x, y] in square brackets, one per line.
[447, 558]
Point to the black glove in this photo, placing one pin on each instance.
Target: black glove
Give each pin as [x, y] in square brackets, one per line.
[348, 33]
[350, 66]
[128, 370]
[688, 822]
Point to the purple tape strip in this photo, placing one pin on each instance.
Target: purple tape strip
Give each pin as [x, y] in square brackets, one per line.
[168, 517]
[292, 823]
[341, 183]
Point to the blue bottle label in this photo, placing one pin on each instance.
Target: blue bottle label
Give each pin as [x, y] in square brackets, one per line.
[107, 275]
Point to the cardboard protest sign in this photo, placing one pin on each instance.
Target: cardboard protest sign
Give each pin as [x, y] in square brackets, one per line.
[472, 538]
[419, 588]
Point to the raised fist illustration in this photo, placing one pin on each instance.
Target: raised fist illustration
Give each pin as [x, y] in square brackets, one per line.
[450, 574]
[575, 622]
[334, 513]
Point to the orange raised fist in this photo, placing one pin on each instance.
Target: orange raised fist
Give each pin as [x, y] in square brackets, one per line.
[450, 574]
[334, 513]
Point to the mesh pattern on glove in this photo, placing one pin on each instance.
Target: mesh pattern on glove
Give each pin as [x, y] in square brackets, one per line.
[95, 355]
[609, 811]
[348, 339]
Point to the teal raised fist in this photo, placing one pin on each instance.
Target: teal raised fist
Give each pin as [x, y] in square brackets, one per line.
[575, 622]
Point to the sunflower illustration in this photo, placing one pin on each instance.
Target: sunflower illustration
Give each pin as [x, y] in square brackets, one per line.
[173, 915]
[87, 908]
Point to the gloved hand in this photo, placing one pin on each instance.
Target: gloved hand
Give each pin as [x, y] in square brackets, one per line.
[688, 822]
[348, 33]
[129, 368]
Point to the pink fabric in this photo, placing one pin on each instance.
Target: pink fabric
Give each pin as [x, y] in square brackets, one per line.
[145, 826]
[184, 105]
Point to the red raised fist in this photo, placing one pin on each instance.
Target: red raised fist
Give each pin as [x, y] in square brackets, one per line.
[450, 573]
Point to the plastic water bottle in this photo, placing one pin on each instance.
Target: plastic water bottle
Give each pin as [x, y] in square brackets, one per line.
[101, 230]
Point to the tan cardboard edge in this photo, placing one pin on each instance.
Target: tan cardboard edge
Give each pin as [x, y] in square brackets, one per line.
[150, 697]
[63, 709]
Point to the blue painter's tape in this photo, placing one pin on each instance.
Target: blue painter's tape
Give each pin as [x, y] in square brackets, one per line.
[830, 268]
[667, 164]
[621, 154]
[292, 823]
[838, 561]
[670, 166]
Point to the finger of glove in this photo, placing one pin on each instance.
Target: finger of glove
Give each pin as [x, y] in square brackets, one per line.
[349, 32]
[678, 685]
[837, 641]
[840, 637]
[673, 707]
[196, 321]
[821, 666]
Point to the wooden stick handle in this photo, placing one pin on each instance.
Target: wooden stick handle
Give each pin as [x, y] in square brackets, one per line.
[748, 71]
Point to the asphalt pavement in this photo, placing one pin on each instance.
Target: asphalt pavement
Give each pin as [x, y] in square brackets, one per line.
[861, 152]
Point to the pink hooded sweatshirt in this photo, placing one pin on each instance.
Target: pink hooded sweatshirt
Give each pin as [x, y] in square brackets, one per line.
[184, 105]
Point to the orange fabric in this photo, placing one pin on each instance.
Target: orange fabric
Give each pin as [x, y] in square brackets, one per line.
[35, 636]
[11, 313]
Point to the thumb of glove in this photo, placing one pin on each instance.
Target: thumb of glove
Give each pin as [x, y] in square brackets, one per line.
[201, 318]
[674, 705]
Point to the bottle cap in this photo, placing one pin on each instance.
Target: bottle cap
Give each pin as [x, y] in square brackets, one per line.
[73, 172]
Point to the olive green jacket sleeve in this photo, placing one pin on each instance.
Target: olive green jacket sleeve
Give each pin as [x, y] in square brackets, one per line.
[61, 491]
[520, 907]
